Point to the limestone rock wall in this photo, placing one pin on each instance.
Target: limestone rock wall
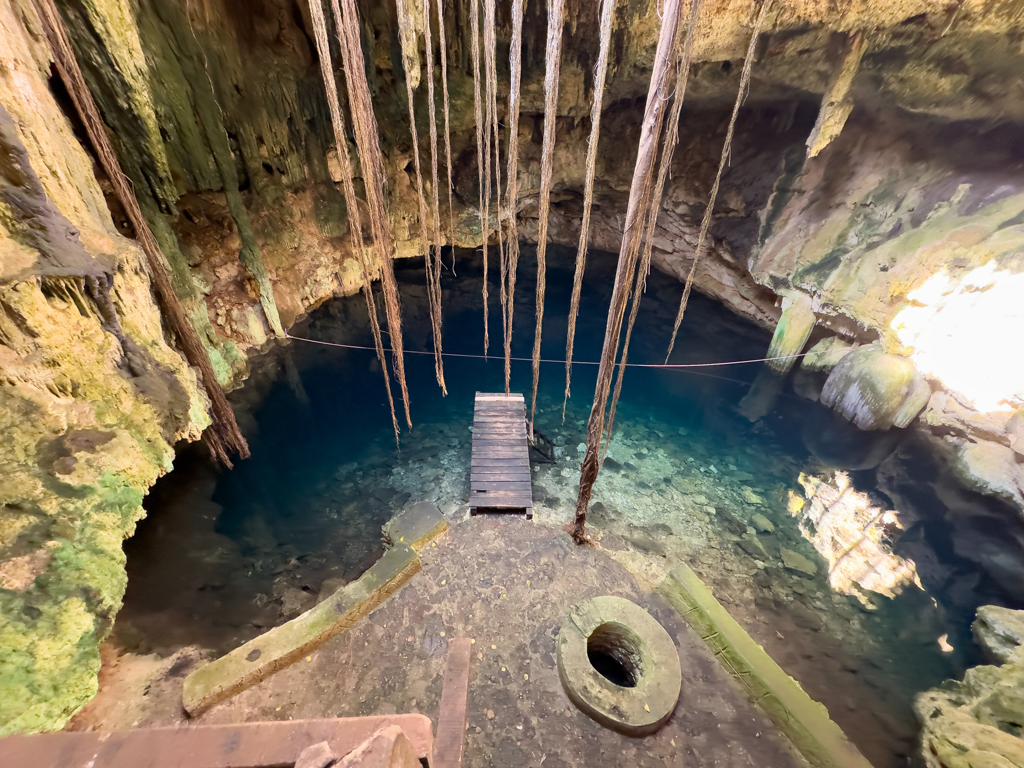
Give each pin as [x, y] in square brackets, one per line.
[92, 398]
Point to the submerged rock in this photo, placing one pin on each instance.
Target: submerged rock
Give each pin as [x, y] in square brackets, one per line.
[876, 390]
[979, 722]
[794, 561]
[762, 523]
[753, 547]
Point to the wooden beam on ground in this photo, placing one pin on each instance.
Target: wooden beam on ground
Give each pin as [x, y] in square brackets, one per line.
[451, 720]
[246, 745]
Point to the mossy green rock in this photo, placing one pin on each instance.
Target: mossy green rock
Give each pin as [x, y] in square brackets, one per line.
[805, 721]
[876, 390]
[979, 722]
[273, 650]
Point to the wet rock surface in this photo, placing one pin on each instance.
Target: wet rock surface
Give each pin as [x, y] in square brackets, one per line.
[980, 720]
[507, 584]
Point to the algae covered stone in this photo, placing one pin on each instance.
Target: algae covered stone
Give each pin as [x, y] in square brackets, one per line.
[979, 722]
[876, 390]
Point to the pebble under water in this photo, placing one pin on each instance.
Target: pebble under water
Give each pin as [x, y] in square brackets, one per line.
[750, 505]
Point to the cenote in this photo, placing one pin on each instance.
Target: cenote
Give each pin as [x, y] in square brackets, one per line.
[272, 493]
[224, 555]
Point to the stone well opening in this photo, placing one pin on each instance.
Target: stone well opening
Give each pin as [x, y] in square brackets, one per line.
[614, 651]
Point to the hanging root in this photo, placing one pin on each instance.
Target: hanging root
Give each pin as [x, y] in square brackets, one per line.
[433, 263]
[480, 155]
[368, 144]
[705, 224]
[607, 7]
[442, 41]
[667, 151]
[492, 136]
[556, 17]
[225, 436]
[512, 171]
[635, 211]
[348, 187]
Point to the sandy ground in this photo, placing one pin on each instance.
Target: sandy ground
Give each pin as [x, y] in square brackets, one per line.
[506, 583]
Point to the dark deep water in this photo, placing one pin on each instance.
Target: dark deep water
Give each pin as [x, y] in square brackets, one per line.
[224, 555]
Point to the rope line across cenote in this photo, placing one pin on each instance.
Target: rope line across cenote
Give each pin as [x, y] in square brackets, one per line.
[562, 362]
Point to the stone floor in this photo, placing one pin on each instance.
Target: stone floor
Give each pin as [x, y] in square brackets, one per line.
[506, 583]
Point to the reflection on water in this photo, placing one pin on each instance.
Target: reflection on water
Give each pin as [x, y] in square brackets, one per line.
[854, 536]
[692, 474]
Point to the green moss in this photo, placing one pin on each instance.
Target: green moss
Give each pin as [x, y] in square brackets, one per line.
[803, 720]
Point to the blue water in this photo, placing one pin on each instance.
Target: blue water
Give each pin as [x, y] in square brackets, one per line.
[225, 554]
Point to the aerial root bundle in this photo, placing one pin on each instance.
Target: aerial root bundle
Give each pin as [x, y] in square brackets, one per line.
[348, 188]
[667, 151]
[607, 7]
[636, 209]
[705, 224]
[512, 171]
[556, 16]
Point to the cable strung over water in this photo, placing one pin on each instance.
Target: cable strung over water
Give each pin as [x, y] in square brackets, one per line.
[669, 366]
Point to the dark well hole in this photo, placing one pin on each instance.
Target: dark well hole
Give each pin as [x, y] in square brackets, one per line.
[614, 651]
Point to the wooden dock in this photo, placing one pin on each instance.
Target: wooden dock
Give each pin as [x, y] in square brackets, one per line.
[500, 468]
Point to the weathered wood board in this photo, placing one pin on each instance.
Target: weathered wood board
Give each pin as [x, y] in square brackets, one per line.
[500, 465]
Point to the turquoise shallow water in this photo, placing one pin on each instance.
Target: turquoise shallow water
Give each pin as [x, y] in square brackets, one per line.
[223, 555]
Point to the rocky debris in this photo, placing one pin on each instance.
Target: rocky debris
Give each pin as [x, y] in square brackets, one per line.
[750, 497]
[999, 632]
[753, 547]
[797, 562]
[295, 601]
[1015, 431]
[762, 523]
[979, 722]
[388, 747]
[316, 756]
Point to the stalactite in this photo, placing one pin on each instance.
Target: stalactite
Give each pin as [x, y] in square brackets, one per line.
[512, 171]
[556, 19]
[837, 103]
[607, 8]
[368, 144]
[355, 228]
[433, 261]
[442, 40]
[792, 332]
[705, 224]
[667, 151]
[492, 136]
[224, 436]
[628, 253]
[480, 155]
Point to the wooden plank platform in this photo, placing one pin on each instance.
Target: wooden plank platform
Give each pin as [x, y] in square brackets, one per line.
[500, 467]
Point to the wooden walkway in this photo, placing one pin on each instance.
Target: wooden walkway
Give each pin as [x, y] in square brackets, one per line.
[500, 468]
